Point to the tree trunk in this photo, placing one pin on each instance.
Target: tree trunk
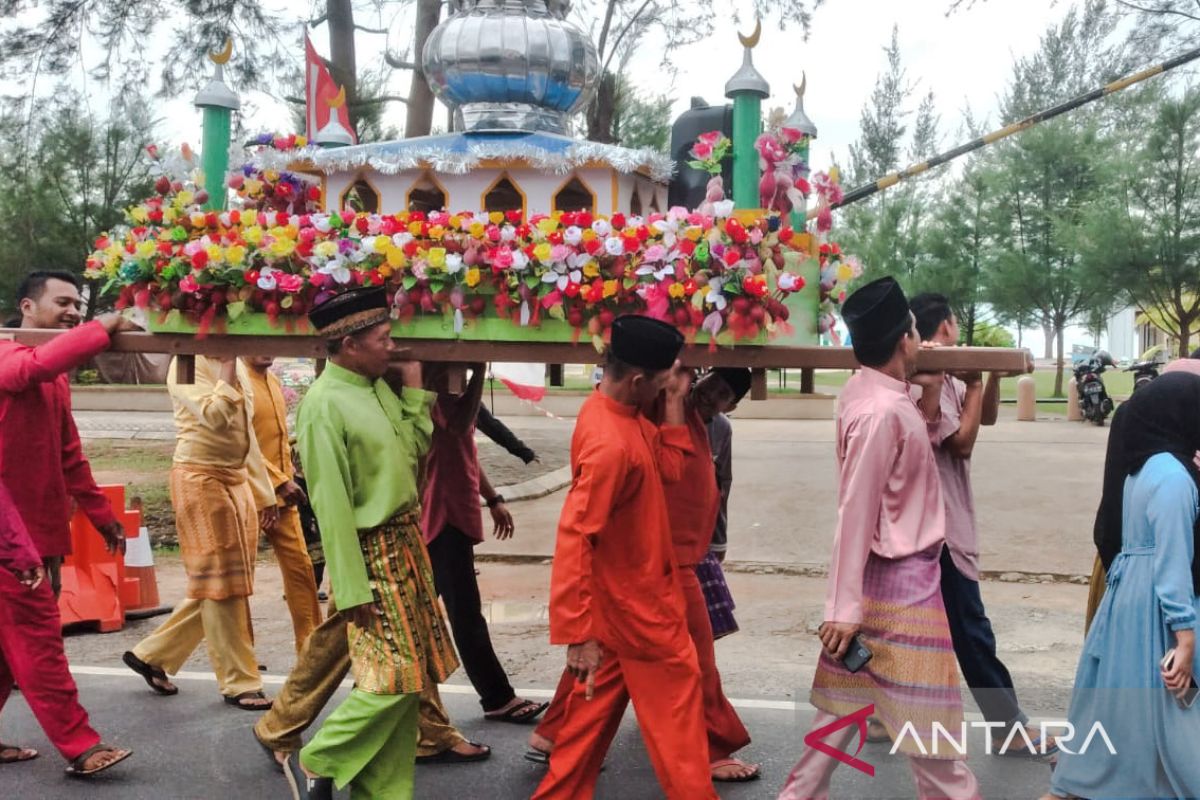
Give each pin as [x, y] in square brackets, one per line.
[419, 120]
[1048, 333]
[602, 109]
[1059, 336]
[342, 64]
[1185, 337]
[970, 341]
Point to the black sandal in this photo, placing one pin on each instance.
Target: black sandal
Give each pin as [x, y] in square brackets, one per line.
[450, 756]
[76, 769]
[239, 701]
[302, 786]
[520, 714]
[150, 674]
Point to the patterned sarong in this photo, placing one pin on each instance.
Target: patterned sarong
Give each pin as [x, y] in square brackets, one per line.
[217, 524]
[716, 596]
[912, 676]
[408, 644]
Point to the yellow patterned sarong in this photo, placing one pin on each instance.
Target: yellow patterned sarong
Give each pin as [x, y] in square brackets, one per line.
[409, 643]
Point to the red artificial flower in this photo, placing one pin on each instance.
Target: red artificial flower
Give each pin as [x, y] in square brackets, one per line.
[524, 231]
[347, 217]
[618, 221]
[689, 287]
[410, 248]
[643, 233]
[572, 290]
[593, 246]
[155, 215]
[513, 217]
[164, 248]
[199, 259]
[361, 224]
[555, 237]
[418, 216]
[567, 219]
[283, 190]
[686, 246]
[235, 217]
[732, 256]
[211, 220]
[583, 219]
[786, 235]
[632, 245]
[251, 276]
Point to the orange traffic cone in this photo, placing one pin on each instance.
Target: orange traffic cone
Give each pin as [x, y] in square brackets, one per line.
[139, 567]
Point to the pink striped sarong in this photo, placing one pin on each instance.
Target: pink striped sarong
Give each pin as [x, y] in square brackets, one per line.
[912, 676]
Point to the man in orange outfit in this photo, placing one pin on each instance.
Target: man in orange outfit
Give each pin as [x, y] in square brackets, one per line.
[615, 596]
[693, 501]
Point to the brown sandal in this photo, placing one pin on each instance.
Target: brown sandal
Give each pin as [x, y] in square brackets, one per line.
[239, 701]
[76, 768]
[22, 754]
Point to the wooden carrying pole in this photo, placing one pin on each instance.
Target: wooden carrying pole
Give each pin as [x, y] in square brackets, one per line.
[985, 359]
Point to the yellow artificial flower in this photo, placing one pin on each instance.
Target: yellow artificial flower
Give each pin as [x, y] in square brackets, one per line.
[588, 234]
[676, 290]
[145, 250]
[547, 225]
[845, 273]
[301, 140]
[395, 256]
[610, 288]
[215, 253]
[252, 186]
[477, 229]
[414, 228]
[591, 270]
[271, 175]
[542, 252]
[386, 270]
[139, 214]
[253, 235]
[282, 248]
[383, 244]
[198, 219]
[456, 222]
[694, 232]
[235, 254]
[496, 217]
[437, 232]
[186, 197]
[437, 257]
[473, 277]
[325, 249]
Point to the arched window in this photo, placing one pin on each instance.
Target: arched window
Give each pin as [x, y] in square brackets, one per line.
[504, 195]
[361, 196]
[426, 195]
[635, 203]
[654, 200]
[574, 195]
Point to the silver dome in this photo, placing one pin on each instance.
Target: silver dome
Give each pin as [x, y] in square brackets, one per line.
[505, 65]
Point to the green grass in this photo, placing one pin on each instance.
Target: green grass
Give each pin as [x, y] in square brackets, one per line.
[142, 466]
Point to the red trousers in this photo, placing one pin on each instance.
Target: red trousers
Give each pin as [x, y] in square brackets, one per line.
[31, 652]
[666, 698]
[726, 733]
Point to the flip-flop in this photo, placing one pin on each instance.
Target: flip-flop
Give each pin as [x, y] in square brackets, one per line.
[537, 756]
[23, 754]
[149, 673]
[733, 762]
[1018, 749]
[515, 716]
[238, 701]
[451, 756]
[75, 768]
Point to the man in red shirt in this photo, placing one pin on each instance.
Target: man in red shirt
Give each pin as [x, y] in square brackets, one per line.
[452, 525]
[41, 458]
[31, 447]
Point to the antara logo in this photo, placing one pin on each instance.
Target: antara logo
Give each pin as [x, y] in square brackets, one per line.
[813, 739]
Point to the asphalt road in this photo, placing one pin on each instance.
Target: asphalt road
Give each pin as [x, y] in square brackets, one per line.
[194, 746]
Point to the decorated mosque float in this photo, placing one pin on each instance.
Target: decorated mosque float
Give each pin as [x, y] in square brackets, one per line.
[506, 239]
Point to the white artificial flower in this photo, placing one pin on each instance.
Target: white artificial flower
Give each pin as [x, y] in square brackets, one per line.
[454, 263]
[714, 295]
[573, 235]
[614, 246]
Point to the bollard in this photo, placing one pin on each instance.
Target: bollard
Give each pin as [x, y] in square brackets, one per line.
[1073, 412]
[1026, 399]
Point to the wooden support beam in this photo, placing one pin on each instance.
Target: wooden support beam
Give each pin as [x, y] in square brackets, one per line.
[998, 359]
[555, 373]
[185, 369]
[806, 381]
[456, 378]
[758, 384]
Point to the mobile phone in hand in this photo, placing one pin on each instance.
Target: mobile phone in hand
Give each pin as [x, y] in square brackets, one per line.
[1193, 691]
[857, 655]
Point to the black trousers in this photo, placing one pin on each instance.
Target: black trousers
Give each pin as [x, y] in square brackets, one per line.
[975, 647]
[452, 554]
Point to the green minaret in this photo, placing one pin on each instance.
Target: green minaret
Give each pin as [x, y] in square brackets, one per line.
[218, 102]
[747, 88]
[800, 121]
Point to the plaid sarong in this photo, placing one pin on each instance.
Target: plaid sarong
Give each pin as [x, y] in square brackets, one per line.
[716, 596]
[912, 676]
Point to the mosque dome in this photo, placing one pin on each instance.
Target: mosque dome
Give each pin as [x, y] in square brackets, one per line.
[510, 65]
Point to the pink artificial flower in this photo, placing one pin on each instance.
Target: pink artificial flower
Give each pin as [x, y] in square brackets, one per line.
[702, 150]
[288, 282]
[710, 138]
[824, 219]
[502, 258]
[791, 135]
[188, 284]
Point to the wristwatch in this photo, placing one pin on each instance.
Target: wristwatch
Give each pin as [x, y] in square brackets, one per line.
[495, 500]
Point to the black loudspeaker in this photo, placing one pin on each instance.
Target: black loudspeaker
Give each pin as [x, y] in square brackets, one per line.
[688, 184]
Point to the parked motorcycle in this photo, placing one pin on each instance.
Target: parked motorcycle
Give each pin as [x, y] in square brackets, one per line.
[1145, 369]
[1094, 402]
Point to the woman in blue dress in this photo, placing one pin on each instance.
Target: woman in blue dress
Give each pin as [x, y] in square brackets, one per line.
[1146, 534]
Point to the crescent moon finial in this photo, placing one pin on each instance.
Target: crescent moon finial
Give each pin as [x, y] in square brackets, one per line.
[222, 57]
[803, 85]
[339, 99]
[752, 40]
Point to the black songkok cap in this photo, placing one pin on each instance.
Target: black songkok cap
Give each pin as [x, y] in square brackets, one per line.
[876, 313]
[350, 312]
[737, 379]
[645, 343]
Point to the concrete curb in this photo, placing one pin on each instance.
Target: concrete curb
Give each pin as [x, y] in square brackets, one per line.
[537, 487]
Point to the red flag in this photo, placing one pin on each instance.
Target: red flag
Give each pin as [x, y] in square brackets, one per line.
[319, 90]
